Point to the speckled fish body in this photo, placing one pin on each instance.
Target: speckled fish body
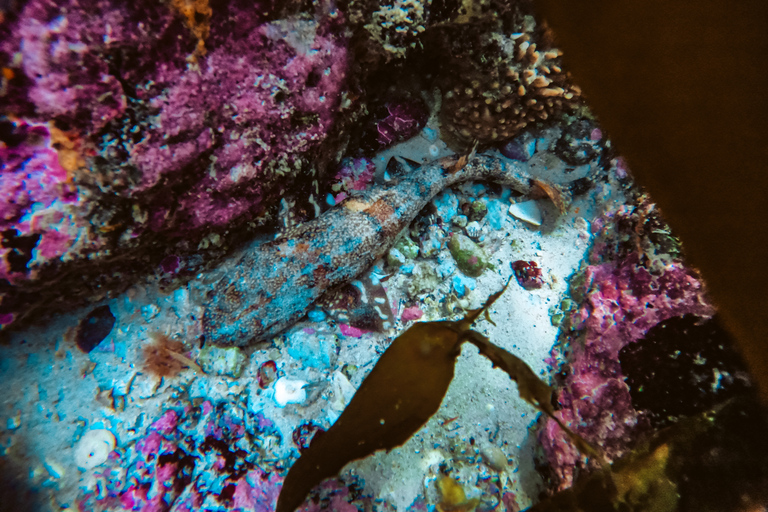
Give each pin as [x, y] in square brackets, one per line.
[275, 285]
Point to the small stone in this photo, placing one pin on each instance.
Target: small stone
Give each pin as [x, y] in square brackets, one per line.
[398, 167]
[289, 391]
[349, 370]
[462, 285]
[528, 274]
[222, 361]
[315, 349]
[342, 391]
[527, 211]
[520, 148]
[469, 257]
[407, 247]
[395, 258]
[494, 458]
[496, 216]
[477, 210]
[447, 205]
[432, 243]
[94, 328]
[424, 279]
[460, 220]
[267, 373]
[316, 315]
[411, 313]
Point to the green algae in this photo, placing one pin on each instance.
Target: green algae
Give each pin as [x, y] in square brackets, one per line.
[470, 257]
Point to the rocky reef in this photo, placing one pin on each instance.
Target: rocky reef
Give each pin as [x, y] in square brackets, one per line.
[124, 146]
[634, 284]
[216, 218]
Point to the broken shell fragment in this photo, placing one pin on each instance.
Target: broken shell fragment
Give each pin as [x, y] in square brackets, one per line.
[527, 211]
[94, 448]
[289, 391]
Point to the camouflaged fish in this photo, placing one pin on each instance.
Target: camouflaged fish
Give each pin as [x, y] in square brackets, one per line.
[276, 284]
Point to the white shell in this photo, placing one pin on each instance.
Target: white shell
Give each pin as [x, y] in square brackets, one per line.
[473, 230]
[527, 211]
[289, 391]
[93, 448]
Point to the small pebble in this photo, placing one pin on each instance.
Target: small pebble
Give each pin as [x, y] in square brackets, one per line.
[289, 391]
[94, 328]
[460, 220]
[267, 374]
[470, 257]
[316, 315]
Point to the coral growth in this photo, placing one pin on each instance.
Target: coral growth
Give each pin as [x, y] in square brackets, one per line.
[496, 84]
[397, 26]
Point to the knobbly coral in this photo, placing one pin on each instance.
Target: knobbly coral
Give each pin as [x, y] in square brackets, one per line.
[119, 150]
[630, 285]
[497, 82]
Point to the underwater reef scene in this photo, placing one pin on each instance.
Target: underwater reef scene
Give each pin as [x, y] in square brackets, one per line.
[363, 255]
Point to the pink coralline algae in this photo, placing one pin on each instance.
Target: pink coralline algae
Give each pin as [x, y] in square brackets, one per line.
[162, 145]
[623, 299]
[242, 123]
[354, 174]
[395, 121]
[37, 200]
[187, 464]
[201, 458]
